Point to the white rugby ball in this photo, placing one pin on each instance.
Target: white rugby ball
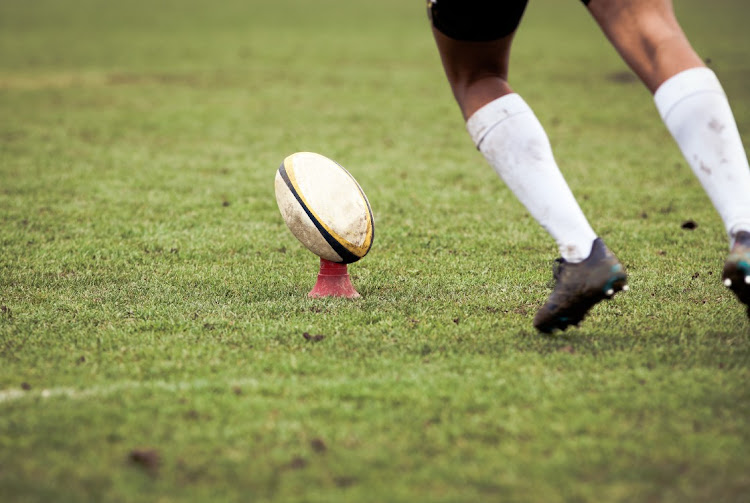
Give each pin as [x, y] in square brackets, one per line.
[324, 207]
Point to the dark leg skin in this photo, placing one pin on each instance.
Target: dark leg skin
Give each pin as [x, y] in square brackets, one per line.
[477, 71]
[647, 36]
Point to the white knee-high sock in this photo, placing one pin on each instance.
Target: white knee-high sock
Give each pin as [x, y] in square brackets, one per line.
[697, 113]
[513, 141]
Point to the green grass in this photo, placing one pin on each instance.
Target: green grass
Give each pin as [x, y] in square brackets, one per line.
[153, 299]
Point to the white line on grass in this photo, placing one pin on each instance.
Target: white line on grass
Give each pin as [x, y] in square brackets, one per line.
[14, 395]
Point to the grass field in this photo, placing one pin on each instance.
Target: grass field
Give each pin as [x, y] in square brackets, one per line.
[153, 303]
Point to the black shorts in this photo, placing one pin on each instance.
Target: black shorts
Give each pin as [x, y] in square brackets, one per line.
[476, 20]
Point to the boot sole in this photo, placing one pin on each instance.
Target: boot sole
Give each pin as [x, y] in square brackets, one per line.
[574, 314]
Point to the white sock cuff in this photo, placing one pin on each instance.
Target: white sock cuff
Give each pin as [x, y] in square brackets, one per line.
[684, 85]
[493, 113]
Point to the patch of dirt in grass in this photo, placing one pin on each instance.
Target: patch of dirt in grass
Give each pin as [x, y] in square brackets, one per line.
[318, 445]
[146, 459]
[296, 463]
[313, 338]
[345, 481]
[623, 77]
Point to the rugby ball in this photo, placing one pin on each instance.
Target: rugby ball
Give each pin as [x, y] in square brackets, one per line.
[324, 207]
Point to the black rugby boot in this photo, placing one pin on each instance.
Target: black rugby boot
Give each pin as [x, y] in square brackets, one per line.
[580, 286]
[736, 274]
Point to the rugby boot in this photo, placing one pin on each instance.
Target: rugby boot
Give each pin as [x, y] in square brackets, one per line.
[736, 274]
[579, 286]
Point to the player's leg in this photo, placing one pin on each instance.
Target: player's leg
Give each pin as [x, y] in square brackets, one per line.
[507, 132]
[647, 36]
[694, 108]
[474, 39]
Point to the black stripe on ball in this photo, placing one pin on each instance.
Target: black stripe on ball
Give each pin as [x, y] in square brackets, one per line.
[347, 256]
